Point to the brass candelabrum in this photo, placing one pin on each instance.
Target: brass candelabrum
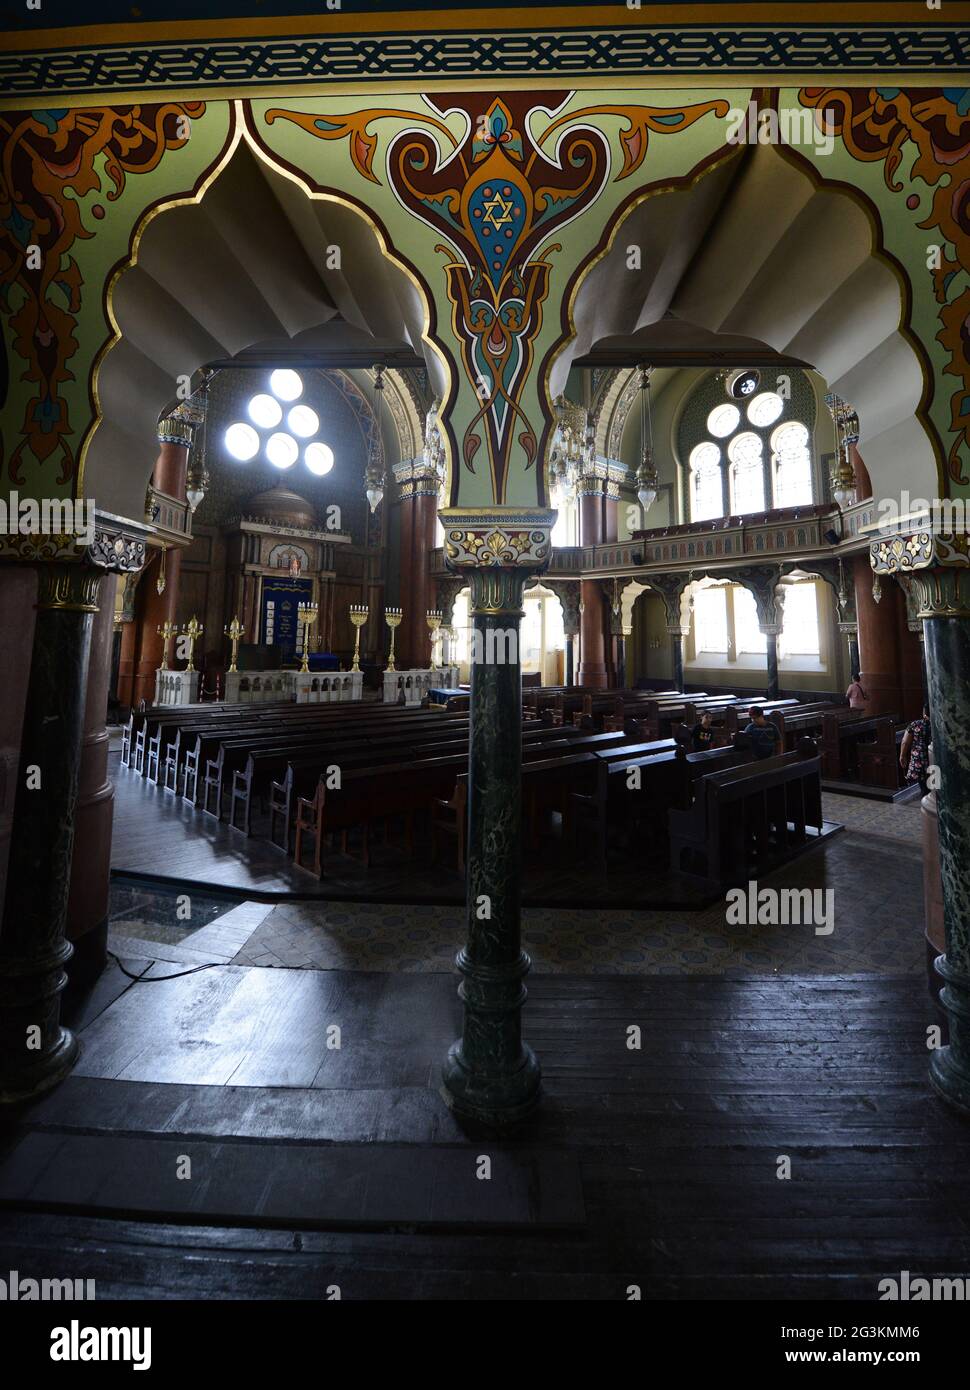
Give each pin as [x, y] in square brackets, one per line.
[434, 625]
[358, 616]
[193, 630]
[234, 631]
[393, 617]
[308, 616]
[167, 631]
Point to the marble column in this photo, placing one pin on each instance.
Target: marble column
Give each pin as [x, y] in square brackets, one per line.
[771, 660]
[35, 1050]
[87, 910]
[937, 570]
[677, 636]
[491, 1076]
[674, 589]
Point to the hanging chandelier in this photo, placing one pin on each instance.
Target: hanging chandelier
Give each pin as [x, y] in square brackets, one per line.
[842, 478]
[648, 483]
[374, 473]
[572, 450]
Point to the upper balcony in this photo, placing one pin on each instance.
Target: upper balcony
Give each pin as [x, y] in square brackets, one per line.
[785, 534]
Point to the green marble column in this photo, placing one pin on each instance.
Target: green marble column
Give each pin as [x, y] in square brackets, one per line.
[771, 659]
[490, 1075]
[937, 572]
[35, 1050]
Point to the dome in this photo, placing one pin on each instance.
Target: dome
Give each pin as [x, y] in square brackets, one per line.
[284, 507]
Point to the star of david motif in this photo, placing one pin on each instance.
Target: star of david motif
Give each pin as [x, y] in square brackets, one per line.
[490, 209]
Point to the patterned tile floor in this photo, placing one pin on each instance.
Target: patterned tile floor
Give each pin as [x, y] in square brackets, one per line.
[874, 870]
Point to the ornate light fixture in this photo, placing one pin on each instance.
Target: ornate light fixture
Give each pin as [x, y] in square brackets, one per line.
[572, 450]
[842, 478]
[648, 483]
[197, 481]
[374, 474]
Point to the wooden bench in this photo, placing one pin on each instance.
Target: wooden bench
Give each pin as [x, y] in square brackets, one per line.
[763, 807]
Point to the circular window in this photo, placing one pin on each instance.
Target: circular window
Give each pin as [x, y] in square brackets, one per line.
[265, 412]
[318, 458]
[723, 420]
[286, 384]
[282, 450]
[765, 409]
[242, 442]
[303, 421]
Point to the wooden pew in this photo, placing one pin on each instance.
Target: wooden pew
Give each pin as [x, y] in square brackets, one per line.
[842, 737]
[206, 744]
[768, 801]
[252, 763]
[298, 776]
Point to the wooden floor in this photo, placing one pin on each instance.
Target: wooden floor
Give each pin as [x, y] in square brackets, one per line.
[655, 1166]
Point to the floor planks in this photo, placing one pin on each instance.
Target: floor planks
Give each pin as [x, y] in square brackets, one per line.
[676, 1144]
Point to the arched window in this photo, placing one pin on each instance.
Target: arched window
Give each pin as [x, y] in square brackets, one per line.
[791, 465]
[706, 492]
[751, 454]
[747, 474]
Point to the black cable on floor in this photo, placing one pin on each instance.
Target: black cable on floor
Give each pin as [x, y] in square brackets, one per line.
[145, 978]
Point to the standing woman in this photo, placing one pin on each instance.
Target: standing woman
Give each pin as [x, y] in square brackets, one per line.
[856, 696]
[914, 755]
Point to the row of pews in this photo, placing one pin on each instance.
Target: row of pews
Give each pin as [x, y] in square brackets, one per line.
[610, 772]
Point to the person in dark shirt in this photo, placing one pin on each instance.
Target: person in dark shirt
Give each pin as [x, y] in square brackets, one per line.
[702, 735]
[762, 735]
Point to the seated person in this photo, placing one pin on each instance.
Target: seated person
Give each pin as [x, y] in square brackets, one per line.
[763, 736]
[702, 735]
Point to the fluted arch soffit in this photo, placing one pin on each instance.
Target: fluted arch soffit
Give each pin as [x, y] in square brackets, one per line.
[760, 249]
[207, 285]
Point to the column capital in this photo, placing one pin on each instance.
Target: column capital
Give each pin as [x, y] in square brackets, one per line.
[672, 588]
[179, 427]
[498, 538]
[417, 477]
[933, 569]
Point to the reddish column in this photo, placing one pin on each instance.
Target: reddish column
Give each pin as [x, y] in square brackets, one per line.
[141, 654]
[403, 644]
[890, 663]
[863, 487]
[425, 510]
[87, 908]
[593, 669]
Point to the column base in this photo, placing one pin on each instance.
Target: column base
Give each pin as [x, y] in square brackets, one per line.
[593, 675]
[56, 1063]
[497, 1102]
[950, 1066]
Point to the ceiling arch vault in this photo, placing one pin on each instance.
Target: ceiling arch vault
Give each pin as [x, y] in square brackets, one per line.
[205, 284]
[760, 256]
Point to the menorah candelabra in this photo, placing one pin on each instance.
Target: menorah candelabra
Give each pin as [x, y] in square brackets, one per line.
[434, 624]
[167, 631]
[393, 617]
[358, 616]
[308, 615]
[234, 631]
[193, 630]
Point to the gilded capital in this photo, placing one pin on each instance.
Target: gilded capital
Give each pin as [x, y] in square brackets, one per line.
[933, 569]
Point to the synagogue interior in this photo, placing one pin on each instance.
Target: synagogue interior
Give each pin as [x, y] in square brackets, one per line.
[497, 692]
